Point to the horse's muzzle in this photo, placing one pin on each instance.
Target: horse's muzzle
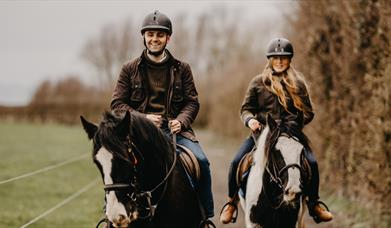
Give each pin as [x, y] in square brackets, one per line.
[292, 194]
[121, 221]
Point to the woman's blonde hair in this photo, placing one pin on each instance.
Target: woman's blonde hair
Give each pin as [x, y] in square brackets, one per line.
[291, 78]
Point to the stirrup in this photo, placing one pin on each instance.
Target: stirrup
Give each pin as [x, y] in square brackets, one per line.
[235, 215]
[316, 218]
[320, 202]
[207, 223]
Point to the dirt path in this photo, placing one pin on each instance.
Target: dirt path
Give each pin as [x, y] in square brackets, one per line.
[220, 153]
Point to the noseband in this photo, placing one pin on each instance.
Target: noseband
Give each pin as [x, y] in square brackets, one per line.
[139, 194]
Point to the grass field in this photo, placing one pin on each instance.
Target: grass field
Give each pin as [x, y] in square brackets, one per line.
[29, 147]
[25, 148]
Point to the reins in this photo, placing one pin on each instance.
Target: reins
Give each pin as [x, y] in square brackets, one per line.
[275, 176]
[172, 166]
[138, 194]
[148, 194]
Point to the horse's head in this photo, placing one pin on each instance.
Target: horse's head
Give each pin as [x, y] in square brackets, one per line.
[284, 153]
[113, 156]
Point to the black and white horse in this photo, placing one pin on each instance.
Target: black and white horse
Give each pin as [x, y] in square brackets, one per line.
[277, 178]
[145, 186]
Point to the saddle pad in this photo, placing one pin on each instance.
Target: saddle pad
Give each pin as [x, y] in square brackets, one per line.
[189, 162]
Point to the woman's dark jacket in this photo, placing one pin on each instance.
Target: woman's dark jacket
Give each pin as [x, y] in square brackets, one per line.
[259, 101]
[131, 92]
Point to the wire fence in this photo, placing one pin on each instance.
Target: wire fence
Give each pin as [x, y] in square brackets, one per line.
[62, 203]
[44, 169]
[66, 200]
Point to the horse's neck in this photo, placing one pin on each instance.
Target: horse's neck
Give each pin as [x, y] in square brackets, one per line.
[255, 178]
[157, 156]
[259, 155]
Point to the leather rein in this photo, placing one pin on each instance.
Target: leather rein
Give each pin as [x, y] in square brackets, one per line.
[138, 193]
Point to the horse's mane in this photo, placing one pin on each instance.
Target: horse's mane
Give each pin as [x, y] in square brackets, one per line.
[141, 131]
[292, 130]
[143, 128]
[107, 135]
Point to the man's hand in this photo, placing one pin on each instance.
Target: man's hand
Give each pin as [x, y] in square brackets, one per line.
[254, 125]
[175, 126]
[156, 119]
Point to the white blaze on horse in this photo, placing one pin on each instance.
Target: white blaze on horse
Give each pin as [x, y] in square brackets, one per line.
[276, 180]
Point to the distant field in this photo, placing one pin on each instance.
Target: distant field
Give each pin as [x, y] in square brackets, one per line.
[25, 148]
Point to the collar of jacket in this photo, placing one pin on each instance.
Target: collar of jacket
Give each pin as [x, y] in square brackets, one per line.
[173, 61]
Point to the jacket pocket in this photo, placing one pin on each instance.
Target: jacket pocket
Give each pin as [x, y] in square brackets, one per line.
[177, 92]
[137, 93]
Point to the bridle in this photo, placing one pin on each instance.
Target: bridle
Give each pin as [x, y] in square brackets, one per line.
[275, 174]
[137, 195]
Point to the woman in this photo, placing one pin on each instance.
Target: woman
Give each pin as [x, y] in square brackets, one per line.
[280, 91]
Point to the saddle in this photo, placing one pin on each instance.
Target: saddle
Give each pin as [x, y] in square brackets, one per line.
[243, 167]
[189, 163]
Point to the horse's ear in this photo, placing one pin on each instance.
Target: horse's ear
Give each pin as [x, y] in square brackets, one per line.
[123, 127]
[271, 122]
[90, 128]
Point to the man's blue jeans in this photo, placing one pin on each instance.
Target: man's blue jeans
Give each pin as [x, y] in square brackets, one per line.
[205, 185]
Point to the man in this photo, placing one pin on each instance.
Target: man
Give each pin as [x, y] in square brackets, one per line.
[162, 89]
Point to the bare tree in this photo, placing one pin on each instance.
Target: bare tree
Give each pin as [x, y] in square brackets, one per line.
[107, 52]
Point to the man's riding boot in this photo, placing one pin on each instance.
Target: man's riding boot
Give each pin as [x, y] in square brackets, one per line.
[228, 214]
[319, 213]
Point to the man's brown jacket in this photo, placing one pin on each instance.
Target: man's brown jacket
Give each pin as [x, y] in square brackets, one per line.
[131, 92]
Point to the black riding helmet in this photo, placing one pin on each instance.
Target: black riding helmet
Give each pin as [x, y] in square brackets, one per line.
[278, 47]
[157, 21]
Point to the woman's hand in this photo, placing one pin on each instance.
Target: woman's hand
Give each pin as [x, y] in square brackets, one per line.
[254, 125]
[175, 126]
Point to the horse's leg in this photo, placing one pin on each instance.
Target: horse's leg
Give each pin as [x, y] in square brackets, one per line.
[253, 192]
[254, 181]
[246, 212]
[303, 207]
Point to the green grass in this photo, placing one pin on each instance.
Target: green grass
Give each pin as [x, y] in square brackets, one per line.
[29, 147]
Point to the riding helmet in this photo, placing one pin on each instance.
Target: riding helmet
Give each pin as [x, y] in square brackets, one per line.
[279, 46]
[157, 21]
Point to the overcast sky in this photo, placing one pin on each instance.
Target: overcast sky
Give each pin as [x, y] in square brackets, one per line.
[43, 39]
